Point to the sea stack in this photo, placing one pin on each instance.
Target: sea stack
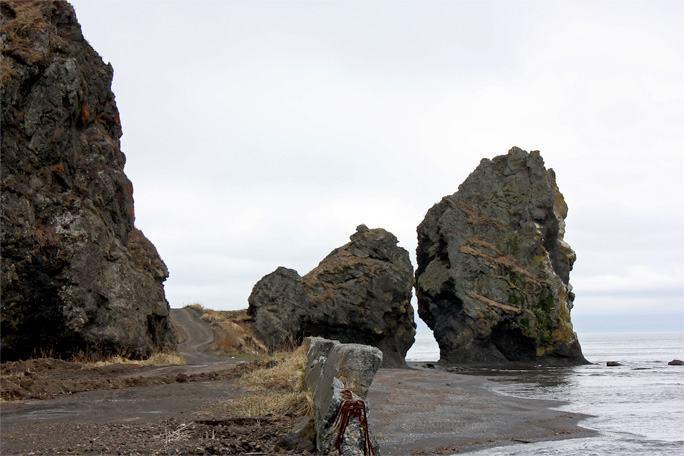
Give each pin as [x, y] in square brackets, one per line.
[493, 269]
[360, 293]
[77, 276]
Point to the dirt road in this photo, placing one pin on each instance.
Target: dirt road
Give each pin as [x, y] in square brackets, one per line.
[197, 339]
[183, 416]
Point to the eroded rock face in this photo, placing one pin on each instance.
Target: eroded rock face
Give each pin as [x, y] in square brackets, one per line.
[493, 269]
[360, 293]
[278, 305]
[77, 276]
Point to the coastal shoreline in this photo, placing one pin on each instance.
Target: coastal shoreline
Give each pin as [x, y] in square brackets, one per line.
[430, 411]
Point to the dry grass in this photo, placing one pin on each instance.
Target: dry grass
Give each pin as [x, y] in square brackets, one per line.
[287, 374]
[277, 390]
[6, 72]
[157, 359]
[20, 34]
[28, 18]
[273, 404]
[234, 331]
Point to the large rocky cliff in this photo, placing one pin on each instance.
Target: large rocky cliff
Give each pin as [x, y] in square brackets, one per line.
[360, 293]
[77, 276]
[493, 268]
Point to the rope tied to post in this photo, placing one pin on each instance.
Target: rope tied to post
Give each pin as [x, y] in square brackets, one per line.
[351, 408]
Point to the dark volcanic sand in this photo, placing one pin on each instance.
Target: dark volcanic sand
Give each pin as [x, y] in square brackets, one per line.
[180, 410]
[130, 410]
[179, 418]
[430, 411]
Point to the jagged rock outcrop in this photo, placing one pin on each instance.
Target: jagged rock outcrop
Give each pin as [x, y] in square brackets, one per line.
[493, 270]
[360, 293]
[77, 276]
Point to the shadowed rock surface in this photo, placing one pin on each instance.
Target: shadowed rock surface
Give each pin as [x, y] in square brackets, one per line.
[77, 276]
[493, 269]
[360, 293]
[278, 305]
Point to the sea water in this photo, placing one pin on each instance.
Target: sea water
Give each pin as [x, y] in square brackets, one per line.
[638, 407]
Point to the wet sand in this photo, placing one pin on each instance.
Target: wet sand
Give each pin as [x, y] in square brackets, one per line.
[430, 411]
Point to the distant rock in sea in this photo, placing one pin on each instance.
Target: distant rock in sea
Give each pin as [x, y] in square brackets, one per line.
[77, 276]
[360, 293]
[493, 269]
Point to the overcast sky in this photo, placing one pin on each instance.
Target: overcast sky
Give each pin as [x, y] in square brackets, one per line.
[260, 134]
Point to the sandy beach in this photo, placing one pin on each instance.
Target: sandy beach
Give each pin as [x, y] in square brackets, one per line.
[426, 411]
[419, 410]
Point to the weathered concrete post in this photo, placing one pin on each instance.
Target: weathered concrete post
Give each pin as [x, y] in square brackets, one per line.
[333, 368]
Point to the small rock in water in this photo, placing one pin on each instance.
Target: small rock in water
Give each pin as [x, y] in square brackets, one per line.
[676, 362]
[613, 364]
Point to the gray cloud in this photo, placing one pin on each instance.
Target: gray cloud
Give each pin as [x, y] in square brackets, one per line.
[260, 134]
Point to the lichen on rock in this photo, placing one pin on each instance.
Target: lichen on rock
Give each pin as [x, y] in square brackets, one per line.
[493, 269]
[77, 276]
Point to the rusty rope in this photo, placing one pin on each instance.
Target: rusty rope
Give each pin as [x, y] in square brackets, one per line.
[350, 408]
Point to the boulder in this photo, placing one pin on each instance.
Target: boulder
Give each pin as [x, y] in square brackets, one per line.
[676, 362]
[493, 269]
[360, 293]
[77, 276]
[333, 368]
[278, 305]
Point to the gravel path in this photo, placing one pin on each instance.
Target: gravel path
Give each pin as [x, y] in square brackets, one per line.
[175, 410]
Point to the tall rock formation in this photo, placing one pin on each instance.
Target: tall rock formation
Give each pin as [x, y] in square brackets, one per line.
[493, 270]
[77, 276]
[360, 293]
